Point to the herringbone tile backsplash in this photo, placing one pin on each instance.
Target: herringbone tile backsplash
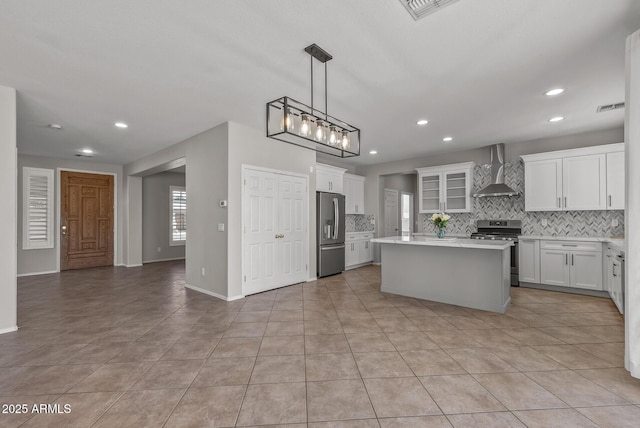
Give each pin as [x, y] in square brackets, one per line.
[559, 223]
[359, 223]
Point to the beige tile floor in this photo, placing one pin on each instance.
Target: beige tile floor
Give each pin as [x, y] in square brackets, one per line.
[134, 348]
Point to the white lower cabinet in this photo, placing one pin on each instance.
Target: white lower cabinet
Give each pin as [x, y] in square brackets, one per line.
[571, 264]
[357, 249]
[529, 260]
[613, 277]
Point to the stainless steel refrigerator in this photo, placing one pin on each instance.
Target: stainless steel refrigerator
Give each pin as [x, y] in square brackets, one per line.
[330, 233]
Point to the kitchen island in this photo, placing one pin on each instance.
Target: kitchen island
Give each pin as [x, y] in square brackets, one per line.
[457, 271]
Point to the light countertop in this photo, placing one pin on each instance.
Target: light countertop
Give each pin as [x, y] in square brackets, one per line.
[445, 242]
[617, 242]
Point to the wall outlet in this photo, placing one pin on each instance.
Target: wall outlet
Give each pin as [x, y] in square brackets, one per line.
[614, 222]
[159, 249]
[220, 227]
[544, 222]
[202, 271]
[472, 222]
[373, 221]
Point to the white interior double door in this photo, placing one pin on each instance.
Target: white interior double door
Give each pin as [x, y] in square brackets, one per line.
[276, 230]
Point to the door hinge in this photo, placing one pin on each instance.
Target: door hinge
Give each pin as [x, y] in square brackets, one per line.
[245, 278]
[306, 267]
[245, 181]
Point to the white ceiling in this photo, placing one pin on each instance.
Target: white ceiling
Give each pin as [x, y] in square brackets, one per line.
[476, 70]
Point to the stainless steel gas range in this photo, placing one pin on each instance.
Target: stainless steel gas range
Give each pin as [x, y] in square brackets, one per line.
[505, 230]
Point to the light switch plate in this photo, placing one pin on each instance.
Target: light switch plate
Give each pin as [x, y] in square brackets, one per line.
[220, 227]
[544, 222]
[614, 222]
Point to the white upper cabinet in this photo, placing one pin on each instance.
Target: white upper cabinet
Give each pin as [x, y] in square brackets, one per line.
[543, 185]
[445, 188]
[576, 179]
[329, 178]
[584, 182]
[615, 181]
[354, 194]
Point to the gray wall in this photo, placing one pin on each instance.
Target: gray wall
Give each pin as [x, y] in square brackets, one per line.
[207, 183]
[8, 287]
[156, 206]
[47, 260]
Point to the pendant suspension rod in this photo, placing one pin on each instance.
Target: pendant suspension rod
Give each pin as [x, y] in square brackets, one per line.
[326, 108]
[311, 58]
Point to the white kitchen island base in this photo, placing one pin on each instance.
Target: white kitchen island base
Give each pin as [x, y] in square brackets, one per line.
[456, 272]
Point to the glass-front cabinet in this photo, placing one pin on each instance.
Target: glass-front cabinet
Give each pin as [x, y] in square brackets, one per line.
[445, 188]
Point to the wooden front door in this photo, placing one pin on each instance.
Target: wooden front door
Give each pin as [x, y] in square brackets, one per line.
[86, 220]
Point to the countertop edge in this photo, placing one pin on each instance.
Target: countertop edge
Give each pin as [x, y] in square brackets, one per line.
[445, 243]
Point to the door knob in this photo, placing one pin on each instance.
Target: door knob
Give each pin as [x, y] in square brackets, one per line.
[63, 229]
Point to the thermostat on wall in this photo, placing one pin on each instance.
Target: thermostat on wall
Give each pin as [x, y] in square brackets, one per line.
[223, 203]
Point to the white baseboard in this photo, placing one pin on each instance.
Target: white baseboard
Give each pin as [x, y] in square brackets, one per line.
[213, 294]
[376, 263]
[38, 273]
[311, 279]
[8, 330]
[162, 260]
[138, 265]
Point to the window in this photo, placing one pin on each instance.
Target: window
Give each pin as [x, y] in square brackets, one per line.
[178, 232]
[37, 208]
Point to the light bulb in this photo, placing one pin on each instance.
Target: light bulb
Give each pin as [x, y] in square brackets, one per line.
[305, 126]
[333, 135]
[320, 133]
[287, 122]
[345, 140]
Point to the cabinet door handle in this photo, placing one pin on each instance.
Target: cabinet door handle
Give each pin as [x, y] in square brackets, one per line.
[609, 200]
[566, 258]
[565, 202]
[559, 202]
[571, 259]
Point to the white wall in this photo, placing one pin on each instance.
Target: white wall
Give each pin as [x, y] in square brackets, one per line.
[8, 183]
[46, 260]
[156, 207]
[249, 146]
[632, 213]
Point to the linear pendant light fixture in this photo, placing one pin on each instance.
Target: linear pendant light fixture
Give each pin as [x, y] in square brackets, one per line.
[296, 123]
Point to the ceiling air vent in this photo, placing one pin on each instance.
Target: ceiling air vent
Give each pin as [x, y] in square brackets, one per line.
[421, 8]
[609, 107]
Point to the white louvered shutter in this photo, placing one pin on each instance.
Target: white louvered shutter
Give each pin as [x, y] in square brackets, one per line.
[37, 223]
[178, 215]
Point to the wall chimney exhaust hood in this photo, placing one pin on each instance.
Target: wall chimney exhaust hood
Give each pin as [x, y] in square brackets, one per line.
[497, 186]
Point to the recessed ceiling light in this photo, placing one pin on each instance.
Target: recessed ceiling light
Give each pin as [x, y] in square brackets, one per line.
[556, 119]
[87, 151]
[422, 122]
[55, 126]
[373, 152]
[447, 139]
[121, 125]
[554, 91]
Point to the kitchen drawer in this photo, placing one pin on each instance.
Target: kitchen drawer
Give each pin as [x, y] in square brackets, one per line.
[351, 237]
[571, 245]
[366, 236]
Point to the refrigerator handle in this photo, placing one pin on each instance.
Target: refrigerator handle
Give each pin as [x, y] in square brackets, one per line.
[336, 214]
